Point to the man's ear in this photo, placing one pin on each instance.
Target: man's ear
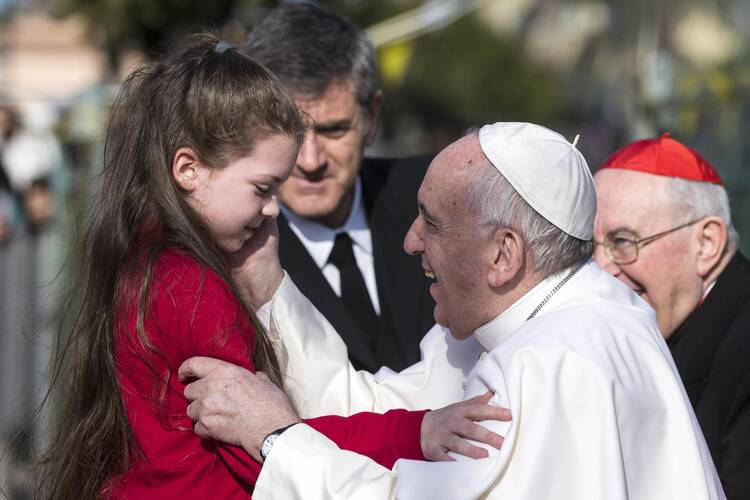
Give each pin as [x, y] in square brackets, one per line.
[373, 116]
[186, 169]
[711, 238]
[508, 250]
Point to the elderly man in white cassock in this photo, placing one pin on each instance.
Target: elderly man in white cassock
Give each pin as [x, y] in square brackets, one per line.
[505, 228]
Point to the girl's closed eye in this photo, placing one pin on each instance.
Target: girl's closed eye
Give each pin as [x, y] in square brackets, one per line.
[262, 189]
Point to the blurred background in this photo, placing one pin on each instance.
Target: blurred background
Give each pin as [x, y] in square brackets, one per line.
[610, 70]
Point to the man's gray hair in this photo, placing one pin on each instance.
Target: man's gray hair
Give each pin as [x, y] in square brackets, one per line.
[693, 200]
[309, 48]
[549, 248]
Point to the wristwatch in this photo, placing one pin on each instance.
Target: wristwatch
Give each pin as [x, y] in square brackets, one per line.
[267, 444]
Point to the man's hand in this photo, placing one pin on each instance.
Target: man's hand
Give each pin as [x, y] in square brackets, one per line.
[233, 405]
[446, 429]
[256, 266]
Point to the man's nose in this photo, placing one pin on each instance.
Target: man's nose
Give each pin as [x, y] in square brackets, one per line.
[311, 154]
[602, 258]
[413, 242]
[270, 208]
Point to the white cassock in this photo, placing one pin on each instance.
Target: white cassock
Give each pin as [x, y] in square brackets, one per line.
[598, 408]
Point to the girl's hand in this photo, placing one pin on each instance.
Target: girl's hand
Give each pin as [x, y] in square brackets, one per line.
[448, 428]
[256, 266]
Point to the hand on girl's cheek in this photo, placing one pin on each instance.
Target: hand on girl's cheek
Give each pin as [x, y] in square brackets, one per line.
[256, 266]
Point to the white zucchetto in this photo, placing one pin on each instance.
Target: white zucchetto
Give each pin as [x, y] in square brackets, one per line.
[547, 171]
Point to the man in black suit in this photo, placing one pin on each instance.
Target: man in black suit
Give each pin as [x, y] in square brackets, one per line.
[344, 217]
[663, 227]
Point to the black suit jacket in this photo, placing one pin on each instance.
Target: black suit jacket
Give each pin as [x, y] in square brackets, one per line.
[712, 353]
[389, 194]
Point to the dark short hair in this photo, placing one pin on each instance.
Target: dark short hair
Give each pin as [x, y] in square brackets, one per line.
[309, 48]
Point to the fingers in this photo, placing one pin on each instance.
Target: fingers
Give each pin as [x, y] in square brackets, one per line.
[464, 428]
[440, 454]
[201, 430]
[198, 367]
[195, 390]
[481, 434]
[483, 398]
[479, 409]
[193, 410]
[467, 449]
[478, 412]
[269, 227]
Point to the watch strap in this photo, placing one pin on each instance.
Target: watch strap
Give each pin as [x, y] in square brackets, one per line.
[267, 443]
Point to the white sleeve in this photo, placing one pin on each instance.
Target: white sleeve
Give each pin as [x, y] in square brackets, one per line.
[321, 380]
[304, 464]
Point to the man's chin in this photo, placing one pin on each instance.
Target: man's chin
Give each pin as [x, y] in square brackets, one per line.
[441, 319]
[458, 333]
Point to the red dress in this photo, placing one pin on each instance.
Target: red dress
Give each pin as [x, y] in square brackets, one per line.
[192, 312]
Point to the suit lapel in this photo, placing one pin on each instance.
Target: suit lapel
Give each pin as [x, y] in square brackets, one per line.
[695, 343]
[310, 280]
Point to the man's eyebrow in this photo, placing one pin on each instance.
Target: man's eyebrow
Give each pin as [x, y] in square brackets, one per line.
[333, 125]
[622, 229]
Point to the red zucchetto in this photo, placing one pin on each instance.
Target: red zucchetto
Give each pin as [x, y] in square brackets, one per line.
[663, 156]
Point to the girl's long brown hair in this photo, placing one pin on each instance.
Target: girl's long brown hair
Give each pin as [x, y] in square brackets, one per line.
[209, 98]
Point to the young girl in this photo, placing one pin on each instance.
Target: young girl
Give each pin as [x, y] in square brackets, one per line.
[195, 151]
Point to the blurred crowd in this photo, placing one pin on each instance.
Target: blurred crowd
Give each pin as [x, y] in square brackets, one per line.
[30, 166]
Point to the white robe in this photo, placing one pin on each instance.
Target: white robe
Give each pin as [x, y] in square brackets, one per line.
[598, 411]
[321, 380]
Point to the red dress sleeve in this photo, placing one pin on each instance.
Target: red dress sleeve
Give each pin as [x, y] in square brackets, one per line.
[382, 437]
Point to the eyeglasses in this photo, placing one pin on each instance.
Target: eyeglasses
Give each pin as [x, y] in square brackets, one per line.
[622, 248]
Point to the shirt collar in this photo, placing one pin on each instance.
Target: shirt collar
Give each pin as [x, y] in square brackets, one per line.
[496, 332]
[318, 239]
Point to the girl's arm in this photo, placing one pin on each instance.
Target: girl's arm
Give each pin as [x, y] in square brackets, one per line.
[216, 327]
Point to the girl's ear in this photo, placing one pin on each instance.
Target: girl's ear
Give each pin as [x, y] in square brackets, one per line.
[186, 169]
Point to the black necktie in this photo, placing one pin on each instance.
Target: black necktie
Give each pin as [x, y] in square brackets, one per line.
[353, 289]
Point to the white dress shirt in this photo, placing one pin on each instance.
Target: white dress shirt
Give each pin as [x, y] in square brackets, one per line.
[318, 240]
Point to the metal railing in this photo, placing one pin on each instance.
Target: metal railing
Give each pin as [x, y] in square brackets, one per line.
[29, 265]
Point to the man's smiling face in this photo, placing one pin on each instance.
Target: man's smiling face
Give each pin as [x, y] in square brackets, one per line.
[634, 204]
[445, 235]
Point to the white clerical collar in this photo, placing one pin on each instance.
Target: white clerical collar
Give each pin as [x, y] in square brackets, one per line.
[497, 331]
[318, 239]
